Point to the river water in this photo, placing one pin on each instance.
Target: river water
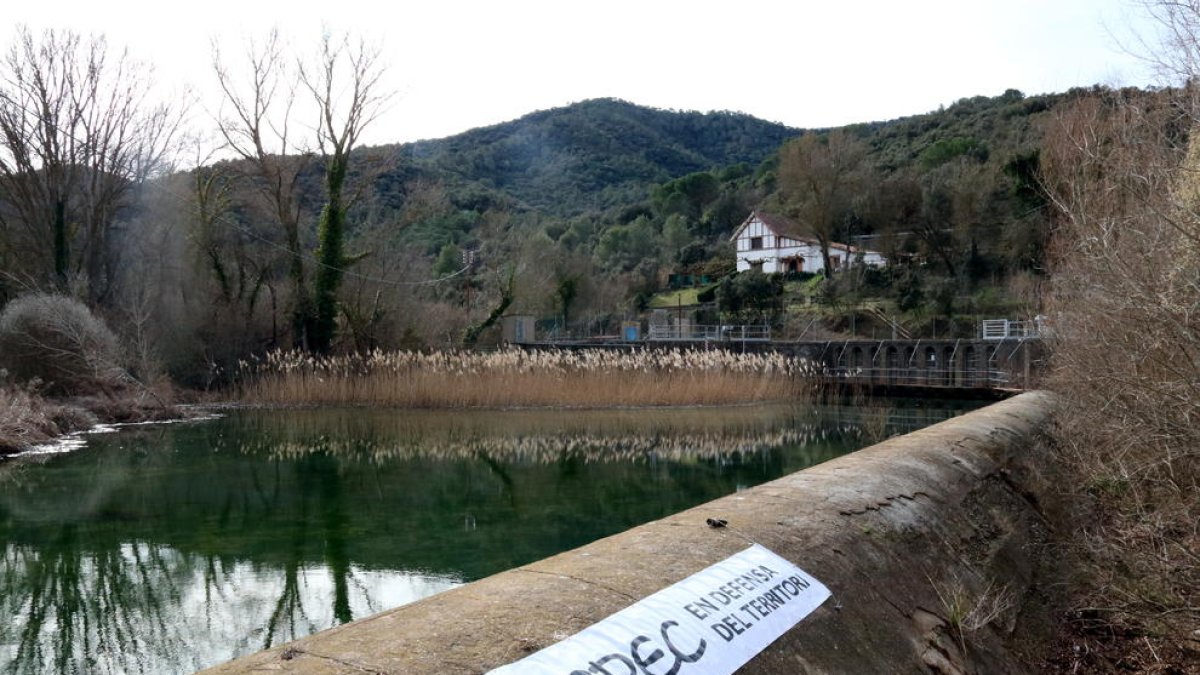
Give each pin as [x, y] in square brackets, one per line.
[168, 548]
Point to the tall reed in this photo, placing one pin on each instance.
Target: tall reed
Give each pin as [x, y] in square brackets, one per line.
[520, 378]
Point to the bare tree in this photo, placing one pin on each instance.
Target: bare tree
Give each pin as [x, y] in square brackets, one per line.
[345, 86]
[817, 182]
[78, 133]
[258, 123]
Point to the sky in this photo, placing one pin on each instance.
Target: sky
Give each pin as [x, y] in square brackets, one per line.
[460, 64]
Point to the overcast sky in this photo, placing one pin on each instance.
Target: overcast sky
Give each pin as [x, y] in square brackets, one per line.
[463, 64]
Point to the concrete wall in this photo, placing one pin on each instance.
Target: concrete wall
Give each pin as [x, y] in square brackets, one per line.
[919, 538]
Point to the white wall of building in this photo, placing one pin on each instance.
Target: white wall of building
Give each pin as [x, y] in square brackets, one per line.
[758, 245]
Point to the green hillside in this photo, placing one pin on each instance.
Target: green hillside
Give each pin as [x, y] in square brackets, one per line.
[593, 155]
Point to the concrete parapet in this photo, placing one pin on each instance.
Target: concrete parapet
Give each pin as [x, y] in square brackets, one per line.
[927, 542]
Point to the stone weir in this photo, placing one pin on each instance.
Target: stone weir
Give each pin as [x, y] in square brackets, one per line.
[927, 542]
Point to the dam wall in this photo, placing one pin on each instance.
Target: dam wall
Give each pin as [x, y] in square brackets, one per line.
[927, 542]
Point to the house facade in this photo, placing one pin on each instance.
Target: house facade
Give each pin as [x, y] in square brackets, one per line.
[774, 244]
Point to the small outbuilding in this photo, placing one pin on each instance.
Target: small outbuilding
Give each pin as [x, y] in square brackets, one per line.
[518, 328]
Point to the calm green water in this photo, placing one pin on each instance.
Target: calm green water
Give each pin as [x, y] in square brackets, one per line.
[168, 548]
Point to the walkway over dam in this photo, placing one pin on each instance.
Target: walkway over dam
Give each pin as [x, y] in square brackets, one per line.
[964, 367]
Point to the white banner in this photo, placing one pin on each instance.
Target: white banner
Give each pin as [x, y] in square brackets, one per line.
[713, 622]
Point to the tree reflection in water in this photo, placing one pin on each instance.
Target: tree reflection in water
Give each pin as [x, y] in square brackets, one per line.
[166, 549]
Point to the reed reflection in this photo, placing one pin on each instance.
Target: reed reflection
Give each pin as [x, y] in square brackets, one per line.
[167, 549]
[544, 437]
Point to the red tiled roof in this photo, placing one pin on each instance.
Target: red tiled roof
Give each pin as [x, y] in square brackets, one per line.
[784, 226]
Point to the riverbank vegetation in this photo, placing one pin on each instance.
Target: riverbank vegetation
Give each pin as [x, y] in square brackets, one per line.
[62, 370]
[1124, 297]
[520, 378]
[28, 419]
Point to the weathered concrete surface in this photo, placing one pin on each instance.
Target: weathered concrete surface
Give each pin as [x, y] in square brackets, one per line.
[919, 538]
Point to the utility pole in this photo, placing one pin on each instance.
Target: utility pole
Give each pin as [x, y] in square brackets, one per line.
[468, 263]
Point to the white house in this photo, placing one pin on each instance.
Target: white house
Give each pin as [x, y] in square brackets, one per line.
[772, 243]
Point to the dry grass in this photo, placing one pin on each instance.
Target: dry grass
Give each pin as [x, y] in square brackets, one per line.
[968, 610]
[519, 378]
[1125, 307]
[27, 419]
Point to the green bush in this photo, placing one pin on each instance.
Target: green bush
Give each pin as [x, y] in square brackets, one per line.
[57, 340]
[946, 149]
[751, 297]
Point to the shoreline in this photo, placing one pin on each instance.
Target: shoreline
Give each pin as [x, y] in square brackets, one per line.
[32, 425]
[75, 440]
[238, 405]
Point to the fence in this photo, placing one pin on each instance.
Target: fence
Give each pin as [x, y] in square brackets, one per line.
[709, 333]
[1004, 329]
[956, 378]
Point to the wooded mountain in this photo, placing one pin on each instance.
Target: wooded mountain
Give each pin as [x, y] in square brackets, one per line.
[588, 156]
[640, 193]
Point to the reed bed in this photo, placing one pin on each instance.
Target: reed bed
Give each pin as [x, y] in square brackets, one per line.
[521, 378]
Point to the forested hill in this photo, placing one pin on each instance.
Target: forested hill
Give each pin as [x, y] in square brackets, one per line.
[593, 155]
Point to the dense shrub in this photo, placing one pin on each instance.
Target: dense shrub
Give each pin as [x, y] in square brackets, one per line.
[751, 297]
[58, 340]
[1123, 309]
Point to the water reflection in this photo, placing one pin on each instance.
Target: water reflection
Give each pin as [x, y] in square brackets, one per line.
[154, 609]
[590, 435]
[167, 549]
[522, 436]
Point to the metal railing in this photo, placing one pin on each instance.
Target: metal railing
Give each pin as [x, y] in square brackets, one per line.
[709, 333]
[917, 376]
[1005, 329]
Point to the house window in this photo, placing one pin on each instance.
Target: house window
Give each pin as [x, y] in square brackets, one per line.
[756, 266]
[835, 260]
[755, 243]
